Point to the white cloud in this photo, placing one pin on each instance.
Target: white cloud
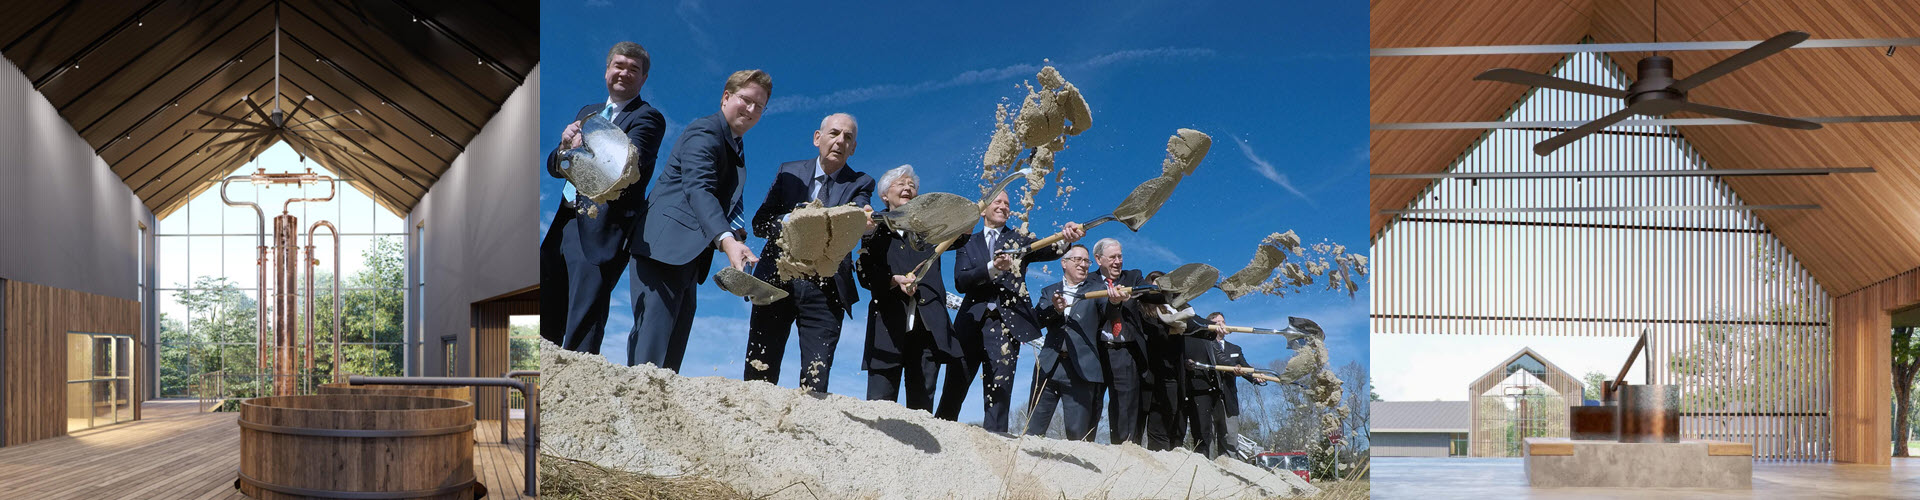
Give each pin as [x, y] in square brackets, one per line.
[1265, 169]
[1153, 252]
[894, 91]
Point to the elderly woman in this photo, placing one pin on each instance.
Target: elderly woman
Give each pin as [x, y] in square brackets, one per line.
[907, 328]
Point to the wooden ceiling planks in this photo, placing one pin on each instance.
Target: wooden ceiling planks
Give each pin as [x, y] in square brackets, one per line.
[1404, 89]
[426, 76]
[1869, 228]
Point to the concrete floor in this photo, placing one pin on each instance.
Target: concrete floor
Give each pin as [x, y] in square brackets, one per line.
[1500, 478]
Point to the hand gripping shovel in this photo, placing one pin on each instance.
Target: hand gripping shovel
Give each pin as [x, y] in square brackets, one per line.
[946, 230]
[1267, 375]
[1183, 284]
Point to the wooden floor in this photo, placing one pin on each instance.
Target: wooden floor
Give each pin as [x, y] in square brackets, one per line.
[178, 452]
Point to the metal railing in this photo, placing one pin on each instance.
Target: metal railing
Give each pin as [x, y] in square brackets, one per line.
[532, 393]
[215, 387]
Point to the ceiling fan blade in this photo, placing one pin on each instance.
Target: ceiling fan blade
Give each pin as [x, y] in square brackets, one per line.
[219, 116]
[264, 117]
[1556, 142]
[1752, 55]
[323, 118]
[226, 130]
[1511, 75]
[1749, 116]
[246, 137]
[317, 130]
[296, 110]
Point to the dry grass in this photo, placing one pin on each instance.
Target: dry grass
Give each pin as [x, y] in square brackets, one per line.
[1343, 490]
[566, 479]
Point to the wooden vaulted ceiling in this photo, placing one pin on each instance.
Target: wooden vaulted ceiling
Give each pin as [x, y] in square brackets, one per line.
[127, 75]
[1869, 228]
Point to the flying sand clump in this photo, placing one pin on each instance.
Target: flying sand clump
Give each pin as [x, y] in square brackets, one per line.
[815, 238]
[1047, 115]
[1324, 259]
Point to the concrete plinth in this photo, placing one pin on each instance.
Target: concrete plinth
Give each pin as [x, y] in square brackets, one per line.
[1560, 462]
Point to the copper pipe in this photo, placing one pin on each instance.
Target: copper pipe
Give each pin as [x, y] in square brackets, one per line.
[260, 283]
[311, 261]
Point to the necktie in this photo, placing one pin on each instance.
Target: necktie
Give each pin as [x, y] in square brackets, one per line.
[608, 113]
[820, 188]
[993, 238]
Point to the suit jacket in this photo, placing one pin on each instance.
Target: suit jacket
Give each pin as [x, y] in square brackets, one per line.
[884, 254]
[988, 296]
[690, 201]
[1071, 352]
[1232, 389]
[1127, 313]
[1200, 346]
[792, 187]
[602, 238]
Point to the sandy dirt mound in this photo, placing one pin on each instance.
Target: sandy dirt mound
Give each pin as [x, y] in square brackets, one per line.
[762, 439]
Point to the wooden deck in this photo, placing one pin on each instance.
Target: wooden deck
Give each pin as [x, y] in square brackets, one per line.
[177, 452]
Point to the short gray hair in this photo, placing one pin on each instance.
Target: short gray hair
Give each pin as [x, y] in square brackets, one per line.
[886, 179]
[850, 119]
[1100, 247]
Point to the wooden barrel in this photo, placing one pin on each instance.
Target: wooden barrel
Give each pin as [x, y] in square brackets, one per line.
[463, 393]
[356, 446]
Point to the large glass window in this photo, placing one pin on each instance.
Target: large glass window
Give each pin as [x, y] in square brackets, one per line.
[209, 296]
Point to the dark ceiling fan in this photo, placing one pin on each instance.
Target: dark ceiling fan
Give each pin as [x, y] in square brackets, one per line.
[260, 128]
[1657, 93]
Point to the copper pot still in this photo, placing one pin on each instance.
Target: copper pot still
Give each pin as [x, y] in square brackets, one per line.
[1649, 414]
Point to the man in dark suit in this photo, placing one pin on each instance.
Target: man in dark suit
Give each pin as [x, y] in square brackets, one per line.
[817, 304]
[1067, 371]
[592, 250]
[1231, 390]
[995, 317]
[1123, 342]
[907, 328]
[1208, 391]
[695, 207]
[1164, 429]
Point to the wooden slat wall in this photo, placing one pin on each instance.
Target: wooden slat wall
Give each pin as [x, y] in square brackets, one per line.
[1862, 353]
[487, 343]
[491, 349]
[34, 335]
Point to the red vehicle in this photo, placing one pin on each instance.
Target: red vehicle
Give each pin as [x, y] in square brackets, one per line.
[1295, 461]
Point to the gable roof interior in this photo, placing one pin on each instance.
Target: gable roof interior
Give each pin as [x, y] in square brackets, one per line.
[1869, 228]
[425, 76]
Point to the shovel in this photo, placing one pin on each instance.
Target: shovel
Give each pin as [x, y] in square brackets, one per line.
[1184, 283]
[1299, 330]
[949, 232]
[1133, 211]
[1267, 375]
[740, 283]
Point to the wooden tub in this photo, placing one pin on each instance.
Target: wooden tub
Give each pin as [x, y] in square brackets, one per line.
[357, 446]
[463, 393]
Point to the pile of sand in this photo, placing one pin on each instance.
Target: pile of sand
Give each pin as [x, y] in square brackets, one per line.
[765, 440]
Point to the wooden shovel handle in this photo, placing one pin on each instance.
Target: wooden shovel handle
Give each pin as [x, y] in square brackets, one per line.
[1101, 294]
[920, 271]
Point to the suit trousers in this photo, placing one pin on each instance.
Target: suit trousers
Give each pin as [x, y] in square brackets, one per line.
[553, 279]
[1048, 394]
[817, 312]
[1165, 429]
[1206, 420]
[589, 291]
[1082, 407]
[664, 297]
[916, 366]
[1000, 356]
[1123, 392]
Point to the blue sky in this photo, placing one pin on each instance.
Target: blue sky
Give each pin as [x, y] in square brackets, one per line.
[1281, 88]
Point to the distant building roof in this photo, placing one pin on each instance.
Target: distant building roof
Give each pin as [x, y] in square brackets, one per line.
[1421, 416]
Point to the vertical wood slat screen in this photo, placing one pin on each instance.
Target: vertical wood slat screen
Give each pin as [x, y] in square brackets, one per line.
[1732, 317]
